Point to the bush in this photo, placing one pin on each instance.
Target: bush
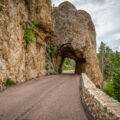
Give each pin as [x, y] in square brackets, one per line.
[29, 36]
[51, 51]
[36, 23]
[116, 83]
[54, 14]
[1, 8]
[47, 67]
[109, 90]
[9, 82]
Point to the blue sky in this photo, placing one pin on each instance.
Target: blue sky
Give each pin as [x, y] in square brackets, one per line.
[106, 17]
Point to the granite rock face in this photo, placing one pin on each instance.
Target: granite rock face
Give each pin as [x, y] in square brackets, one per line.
[17, 61]
[76, 38]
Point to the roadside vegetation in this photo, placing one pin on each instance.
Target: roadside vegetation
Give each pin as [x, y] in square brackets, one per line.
[1, 8]
[9, 83]
[29, 33]
[68, 64]
[29, 36]
[51, 54]
[110, 68]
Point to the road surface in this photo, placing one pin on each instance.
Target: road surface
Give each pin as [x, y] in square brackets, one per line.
[46, 98]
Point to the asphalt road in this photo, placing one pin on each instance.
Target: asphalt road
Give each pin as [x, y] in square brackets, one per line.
[46, 98]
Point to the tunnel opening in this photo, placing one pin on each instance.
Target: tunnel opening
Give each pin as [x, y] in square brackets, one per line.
[68, 65]
[67, 54]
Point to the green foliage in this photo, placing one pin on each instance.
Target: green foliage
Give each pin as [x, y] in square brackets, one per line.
[29, 36]
[68, 68]
[116, 83]
[104, 57]
[47, 57]
[68, 64]
[113, 88]
[54, 13]
[109, 89]
[51, 73]
[36, 23]
[51, 51]
[67, 61]
[110, 67]
[47, 67]
[1, 8]
[8, 82]
[51, 54]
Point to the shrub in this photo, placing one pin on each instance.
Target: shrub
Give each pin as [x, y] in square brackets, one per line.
[47, 58]
[116, 83]
[51, 51]
[51, 73]
[1, 8]
[29, 36]
[36, 23]
[109, 89]
[9, 82]
[54, 13]
[47, 67]
[51, 54]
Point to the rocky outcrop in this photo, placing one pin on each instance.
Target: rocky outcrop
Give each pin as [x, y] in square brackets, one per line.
[17, 61]
[76, 39]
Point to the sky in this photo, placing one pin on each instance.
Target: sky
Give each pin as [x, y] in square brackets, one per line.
[106, 17]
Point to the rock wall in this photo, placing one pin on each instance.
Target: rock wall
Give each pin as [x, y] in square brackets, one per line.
[76, 38]
[100, 105]
[17, 61]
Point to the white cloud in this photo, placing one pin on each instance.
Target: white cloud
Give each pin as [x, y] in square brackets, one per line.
[105, 15]
[117, 36]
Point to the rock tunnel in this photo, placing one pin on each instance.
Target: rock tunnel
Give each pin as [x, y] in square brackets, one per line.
[67, 51]
[75, 37]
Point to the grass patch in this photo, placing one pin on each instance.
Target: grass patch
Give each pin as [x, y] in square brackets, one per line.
[66, 69]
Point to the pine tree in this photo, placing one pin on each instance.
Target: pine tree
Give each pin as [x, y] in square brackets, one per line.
[116, 83]
[110, 67]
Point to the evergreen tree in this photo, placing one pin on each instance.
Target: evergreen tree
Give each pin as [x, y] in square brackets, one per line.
[116, 83]
[105, 61]
[108, 65]
[110, 68]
